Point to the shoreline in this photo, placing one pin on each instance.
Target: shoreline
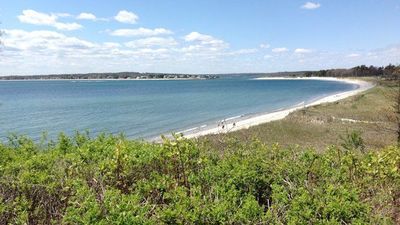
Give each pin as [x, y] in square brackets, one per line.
[244, 122]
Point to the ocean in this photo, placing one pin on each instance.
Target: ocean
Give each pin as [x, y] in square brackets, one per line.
[144, 109]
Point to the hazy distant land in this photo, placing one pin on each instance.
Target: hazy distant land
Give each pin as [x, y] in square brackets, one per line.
[358, 71]
[109, 76]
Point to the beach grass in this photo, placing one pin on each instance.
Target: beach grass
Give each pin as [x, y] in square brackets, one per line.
[369, 113]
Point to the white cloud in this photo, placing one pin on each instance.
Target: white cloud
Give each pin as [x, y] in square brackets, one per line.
[267, 56]
[204, 39]
[67, 26]
[47, 43]
[124, 16]
[43, 42]
[196, 36]
[152, 51]
[244, 51]
[140, 32]
[112, 44]
[279, 50]
[265, 46]
[152, 41]
[203, 46]
[43, 51]
[302, 51]
[62, 14]
[200, 49]
[33, 17]
[353, 55]
[311, 5]
[192, 48]
[86, 16]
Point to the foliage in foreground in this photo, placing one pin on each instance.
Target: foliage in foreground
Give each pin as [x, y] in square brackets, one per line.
[112, 180]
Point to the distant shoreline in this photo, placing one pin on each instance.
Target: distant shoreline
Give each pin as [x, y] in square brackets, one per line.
[245, 122]
[103, 79]
[111, 76]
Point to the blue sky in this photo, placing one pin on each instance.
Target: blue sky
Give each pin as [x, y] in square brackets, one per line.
[187, 36]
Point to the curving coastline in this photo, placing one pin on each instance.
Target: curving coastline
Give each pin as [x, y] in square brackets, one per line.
[244, 122]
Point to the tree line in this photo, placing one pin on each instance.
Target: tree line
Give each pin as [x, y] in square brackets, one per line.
[358, 71]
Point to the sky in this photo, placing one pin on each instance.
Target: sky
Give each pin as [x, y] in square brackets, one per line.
[192, 36]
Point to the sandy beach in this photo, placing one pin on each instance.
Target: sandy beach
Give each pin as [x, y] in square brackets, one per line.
[244, 122]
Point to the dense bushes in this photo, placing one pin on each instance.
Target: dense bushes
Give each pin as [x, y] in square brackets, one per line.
[112, 180]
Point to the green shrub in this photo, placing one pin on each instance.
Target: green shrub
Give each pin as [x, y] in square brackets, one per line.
[112, 180]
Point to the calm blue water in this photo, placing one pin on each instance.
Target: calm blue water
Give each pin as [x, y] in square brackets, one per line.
[144, 109]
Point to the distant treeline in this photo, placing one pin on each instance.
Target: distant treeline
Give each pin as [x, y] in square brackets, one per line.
[388, 71]
[120, 75]
[358, 71]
